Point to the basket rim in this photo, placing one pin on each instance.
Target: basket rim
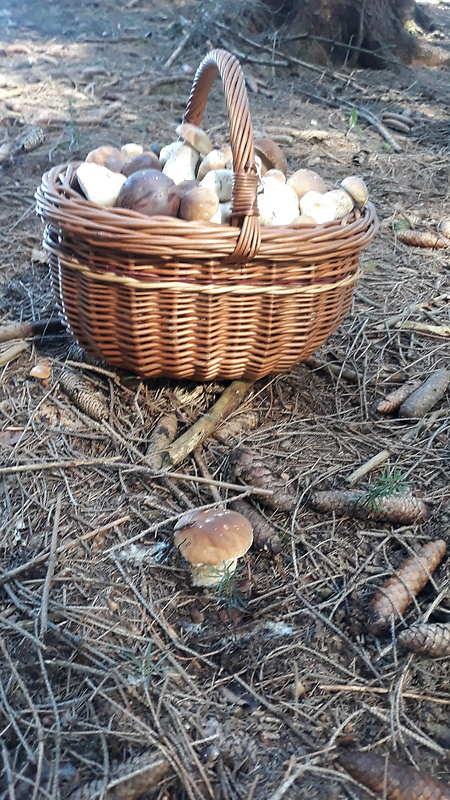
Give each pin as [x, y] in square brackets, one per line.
[58, 203]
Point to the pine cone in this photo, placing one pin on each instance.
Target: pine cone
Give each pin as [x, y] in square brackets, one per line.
[391, 779]
[433, 639]
[252, 469]
[394, 597]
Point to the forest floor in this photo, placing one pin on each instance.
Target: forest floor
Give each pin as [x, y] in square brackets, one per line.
[108, 655]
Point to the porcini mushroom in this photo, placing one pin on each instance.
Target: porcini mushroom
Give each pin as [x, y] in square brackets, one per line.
[212, 541]
[181, 165]
[356, 187]
[99, 184]
[221, 182]
[271, 154]
[306, 180]
[215, 159]
[277, 203]
[194, 136]
[107, 156]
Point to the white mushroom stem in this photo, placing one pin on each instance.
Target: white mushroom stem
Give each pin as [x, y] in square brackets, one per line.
[277, 203]
[181, 166]
[99, 184]
[211, 574]
[168, 151]
[221, 182]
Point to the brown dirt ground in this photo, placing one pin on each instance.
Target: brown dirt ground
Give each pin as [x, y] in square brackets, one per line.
[233, 687]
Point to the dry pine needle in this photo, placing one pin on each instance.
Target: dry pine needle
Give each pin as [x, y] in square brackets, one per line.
[399, 591]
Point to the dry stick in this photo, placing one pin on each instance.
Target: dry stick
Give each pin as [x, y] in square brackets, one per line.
[362, 112]
[383, 455]
[12, 352]
[201, 463]
[24, 330]
[228, 401]
[335, 369]
[59, 465]
[379, 690]
[177, 51]
[12, 573]
[50, 567]
[392, 321]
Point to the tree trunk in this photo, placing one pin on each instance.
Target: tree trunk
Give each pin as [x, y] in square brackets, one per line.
[370, 33]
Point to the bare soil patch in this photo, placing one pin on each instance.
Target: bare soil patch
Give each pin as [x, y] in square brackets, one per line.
[108, 654]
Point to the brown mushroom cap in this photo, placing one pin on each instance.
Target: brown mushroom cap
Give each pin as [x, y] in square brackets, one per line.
[194, 136]
[213, 537]
[271, 154]
[107, 156]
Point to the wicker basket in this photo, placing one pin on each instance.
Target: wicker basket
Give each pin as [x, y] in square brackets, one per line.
[163, 297]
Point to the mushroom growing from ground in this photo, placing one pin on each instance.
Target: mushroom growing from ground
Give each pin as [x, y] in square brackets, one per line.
[212, 541]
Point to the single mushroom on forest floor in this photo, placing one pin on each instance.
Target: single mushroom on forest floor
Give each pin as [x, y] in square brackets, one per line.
[211, 541]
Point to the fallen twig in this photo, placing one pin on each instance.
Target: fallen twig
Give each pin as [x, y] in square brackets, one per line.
[50, 567]
[392, 321]
[12, 353]
[229, 400]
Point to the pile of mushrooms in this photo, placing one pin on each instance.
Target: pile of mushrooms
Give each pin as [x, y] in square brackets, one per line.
[191, 179]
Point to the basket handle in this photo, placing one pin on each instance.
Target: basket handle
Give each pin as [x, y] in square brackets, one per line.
[244, 205]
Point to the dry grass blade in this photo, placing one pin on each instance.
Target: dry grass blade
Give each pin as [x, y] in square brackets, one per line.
[391, 779]
[394, 399]
[397, 509]
[424, 398]
[394, 597]
[432, 639]
[254, 470]
[137, 776]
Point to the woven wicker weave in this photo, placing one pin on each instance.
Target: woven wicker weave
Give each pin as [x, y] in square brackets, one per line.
[160, 296]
